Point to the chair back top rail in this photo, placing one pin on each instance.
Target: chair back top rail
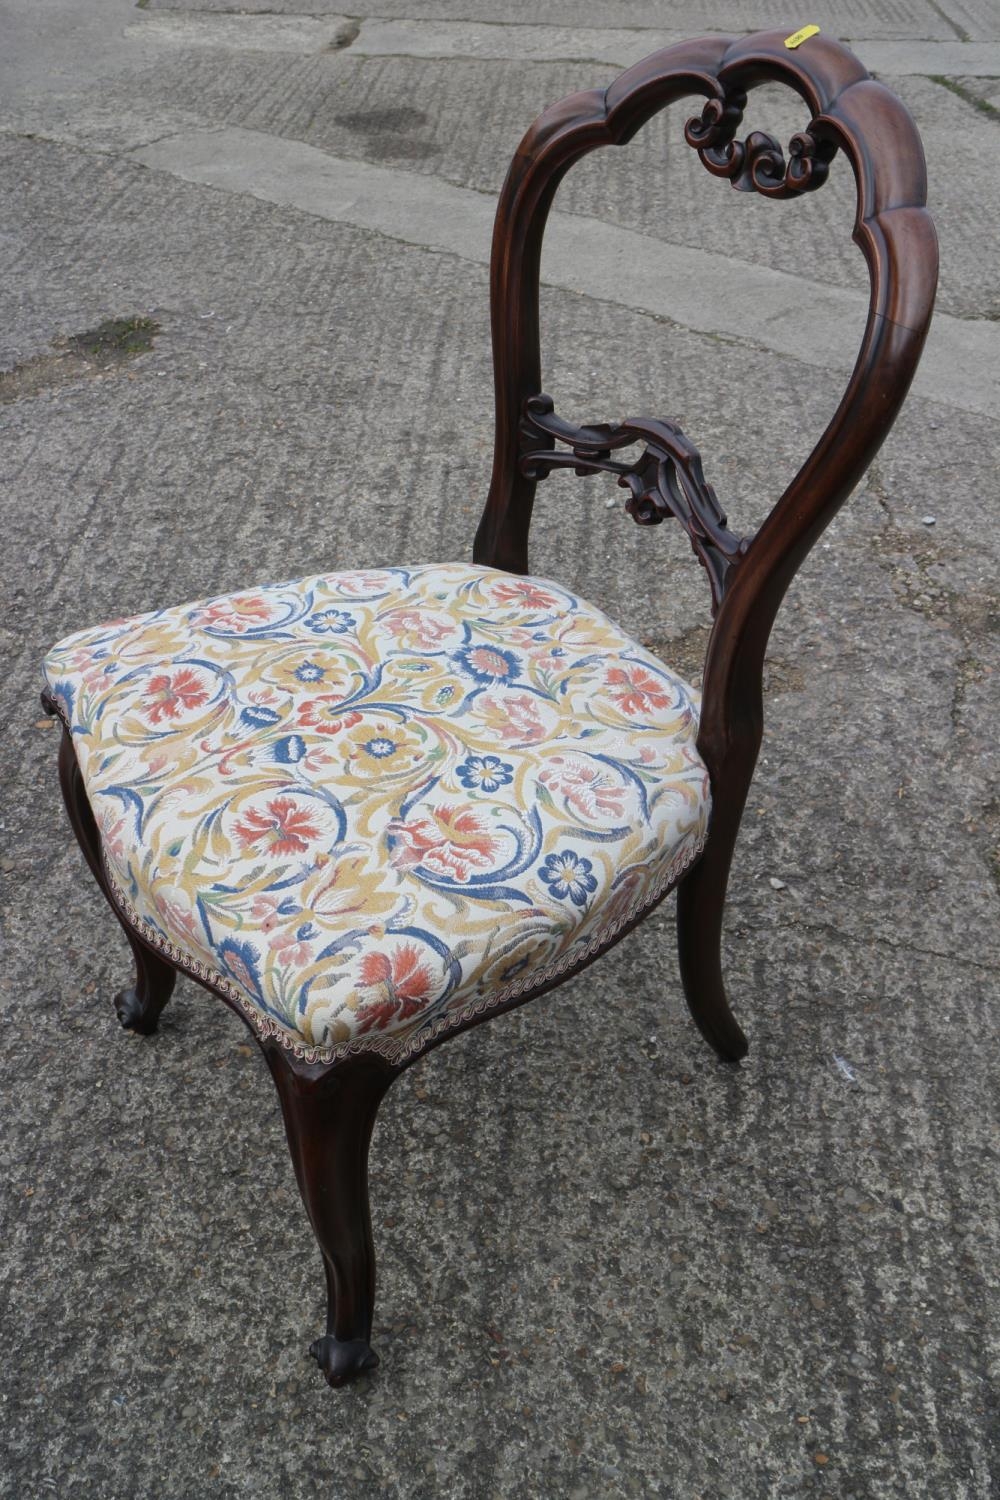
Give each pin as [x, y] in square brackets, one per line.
[850, 111]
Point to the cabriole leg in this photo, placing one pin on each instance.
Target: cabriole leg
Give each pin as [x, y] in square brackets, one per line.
[701, 899]
[138, 1007]
[329, 1117]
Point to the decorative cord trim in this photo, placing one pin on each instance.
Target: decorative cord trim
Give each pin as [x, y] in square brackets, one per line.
[403, 1048]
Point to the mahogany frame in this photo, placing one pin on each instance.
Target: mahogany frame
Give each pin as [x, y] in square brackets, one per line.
[329, 1108]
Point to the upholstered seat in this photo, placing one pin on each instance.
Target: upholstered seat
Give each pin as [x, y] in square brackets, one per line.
[370, 805]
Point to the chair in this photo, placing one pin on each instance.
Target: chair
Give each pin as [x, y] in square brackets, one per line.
[370, 810]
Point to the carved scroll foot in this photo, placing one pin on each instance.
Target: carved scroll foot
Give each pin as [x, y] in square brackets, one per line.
[138, 1008]
[342, 1360]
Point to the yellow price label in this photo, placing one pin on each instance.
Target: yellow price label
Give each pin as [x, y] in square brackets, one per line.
[802, 35]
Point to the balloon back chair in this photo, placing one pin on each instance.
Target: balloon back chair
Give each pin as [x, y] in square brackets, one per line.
[369, 810]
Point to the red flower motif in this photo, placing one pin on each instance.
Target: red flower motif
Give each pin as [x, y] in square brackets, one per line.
[168, 695]
[282, 829]
[450, 841]
[112, 831]
[588, 789]
[289, 949]
[402, 982]
[241, 613]
[514, 717]
[265, 912]
[322, 714]
[524, 593]
[635, 690]
[488, 662]
[426, 630]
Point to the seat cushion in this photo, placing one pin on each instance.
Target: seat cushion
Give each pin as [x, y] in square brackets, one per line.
[368, 806]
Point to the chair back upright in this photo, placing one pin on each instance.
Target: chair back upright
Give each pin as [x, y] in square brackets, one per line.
[850, 112]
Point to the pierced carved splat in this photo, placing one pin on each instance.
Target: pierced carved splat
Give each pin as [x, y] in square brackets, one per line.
[757, 165]
[665, 480]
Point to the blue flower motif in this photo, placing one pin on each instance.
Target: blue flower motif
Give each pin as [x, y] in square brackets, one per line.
[306, 932]
[258, 717]
[380, 747]
[568, 875]
[485, 773]
[290, 749]
[488, 664]
[331, 622]
[309, 671]
[240, 961]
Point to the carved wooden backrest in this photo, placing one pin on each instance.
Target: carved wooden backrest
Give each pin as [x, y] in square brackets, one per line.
[748, 576]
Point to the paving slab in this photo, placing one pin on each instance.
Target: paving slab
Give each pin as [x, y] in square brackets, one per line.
[707, 292]
[538, 43]
[270, 33]
[903, 19]
[413, 114]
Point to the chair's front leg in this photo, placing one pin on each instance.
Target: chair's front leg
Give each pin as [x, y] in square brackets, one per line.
[138, 1007]
[329, 1116]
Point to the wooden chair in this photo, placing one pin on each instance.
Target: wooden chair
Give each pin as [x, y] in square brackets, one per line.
[373, 809]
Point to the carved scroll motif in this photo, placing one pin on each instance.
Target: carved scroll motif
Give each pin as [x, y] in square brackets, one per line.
[665, 480]
[757, 165]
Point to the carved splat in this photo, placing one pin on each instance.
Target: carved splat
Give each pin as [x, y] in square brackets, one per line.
[665, 480]
[757, 165]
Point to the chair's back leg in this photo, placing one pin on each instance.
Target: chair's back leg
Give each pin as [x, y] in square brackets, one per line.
[701, 898]
[329, 1116]
[138, 1007]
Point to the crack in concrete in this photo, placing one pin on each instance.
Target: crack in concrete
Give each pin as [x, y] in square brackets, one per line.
[35, 136]
[976, 101]
[499, 24]
[829, 929]
[960, 32]
[874, 483]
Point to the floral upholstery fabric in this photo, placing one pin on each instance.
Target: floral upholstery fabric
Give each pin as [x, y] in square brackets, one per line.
[368, 805]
